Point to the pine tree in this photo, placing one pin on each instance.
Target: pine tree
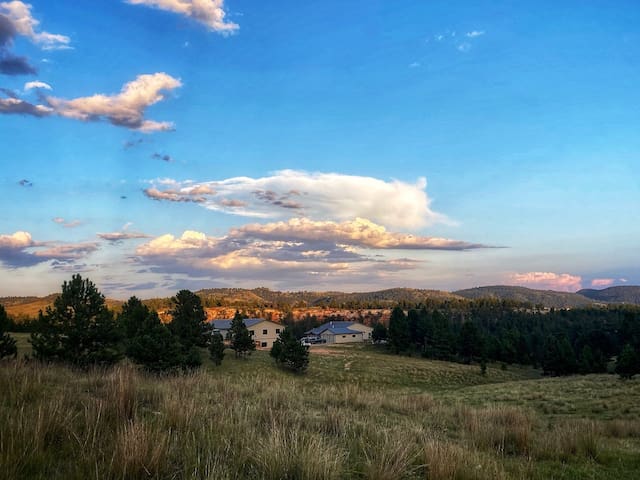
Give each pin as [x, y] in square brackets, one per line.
[147, 341]
[398, 332]
[7, 343]
[289, 352]
[470, 342]
[79, 329]
[627, 364]
[189, 320]
[216, 348]
[241, 341]
[379, 332]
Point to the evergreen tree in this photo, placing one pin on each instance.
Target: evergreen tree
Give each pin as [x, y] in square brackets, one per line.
[627, 364]
[79, 329]
[7, 343]
[147, 341]
[189, 320]
[442, 341]
[241, 341]
[379, 332]
[398, 332]
[559, 357]
[216, 348]
[470, 342]
[289, 352]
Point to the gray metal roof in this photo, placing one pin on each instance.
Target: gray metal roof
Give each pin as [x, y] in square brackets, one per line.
[225, 324]
[331, 325]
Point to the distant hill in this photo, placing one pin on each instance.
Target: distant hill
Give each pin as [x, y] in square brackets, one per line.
[262, 297]
[624, 294]
[29, 307]
[548, 298]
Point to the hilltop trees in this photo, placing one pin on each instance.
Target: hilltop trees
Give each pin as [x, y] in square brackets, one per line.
[289, 353]
[79, 329]
[241, 341]
[7, 344]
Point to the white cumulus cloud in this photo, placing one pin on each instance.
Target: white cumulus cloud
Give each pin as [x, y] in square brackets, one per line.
[321, 196]
[547, 280]
[19, 14]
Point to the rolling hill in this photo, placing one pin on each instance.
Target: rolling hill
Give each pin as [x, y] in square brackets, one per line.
[622, 294]
[548, 298]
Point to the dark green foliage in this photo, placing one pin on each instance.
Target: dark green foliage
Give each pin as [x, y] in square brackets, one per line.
[189, 320]
[147, 341]
[79, 329]
[628, 363]
[398, 332]
[379, 332]
[289, 352]
[216, 348]
[470, 342]
[442, 340]
[7, 343]
[559, 357]
[241, 341]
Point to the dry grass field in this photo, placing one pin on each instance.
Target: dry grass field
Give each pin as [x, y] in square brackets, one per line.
[356, 414]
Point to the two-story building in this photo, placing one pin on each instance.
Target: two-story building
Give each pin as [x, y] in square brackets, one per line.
[342, 332]
[263, 332]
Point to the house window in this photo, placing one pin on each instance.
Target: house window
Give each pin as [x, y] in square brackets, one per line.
[251, 332]
[353, 336]
[277, 330]
[344, 336]
[263, 344]
[264, 332]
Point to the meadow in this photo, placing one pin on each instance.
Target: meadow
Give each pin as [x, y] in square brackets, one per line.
[356, 414]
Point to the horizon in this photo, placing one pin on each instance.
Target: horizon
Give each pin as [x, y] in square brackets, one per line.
[154, 146]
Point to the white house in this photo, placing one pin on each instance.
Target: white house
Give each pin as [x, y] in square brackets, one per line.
[263, 332]
[342, 332]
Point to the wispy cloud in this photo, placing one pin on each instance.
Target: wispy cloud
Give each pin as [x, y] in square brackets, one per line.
[65, 223]
[474, 33]
[321, 196]
[125, 109]
[602, 282]
[162, 156]
[37, 84]
[547, 280]
[208, 12]
[116, 237]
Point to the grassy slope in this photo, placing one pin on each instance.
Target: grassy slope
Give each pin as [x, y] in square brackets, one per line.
[357, 413]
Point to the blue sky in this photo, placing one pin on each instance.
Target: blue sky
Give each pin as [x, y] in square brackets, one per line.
[319, 145]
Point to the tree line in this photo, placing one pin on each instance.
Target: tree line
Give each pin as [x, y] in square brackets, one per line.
[560, 342]
[81, 331]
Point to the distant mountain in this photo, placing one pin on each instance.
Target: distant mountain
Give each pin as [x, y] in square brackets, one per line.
[548, 298]
[29, 307]
[624, 294]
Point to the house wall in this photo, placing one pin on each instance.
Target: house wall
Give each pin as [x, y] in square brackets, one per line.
[265, 333]
[366, 331]
[342, 337]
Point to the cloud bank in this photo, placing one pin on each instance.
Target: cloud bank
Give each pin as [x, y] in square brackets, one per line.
[320, 196]
[208, 12]
[563, 282]
[20, 250]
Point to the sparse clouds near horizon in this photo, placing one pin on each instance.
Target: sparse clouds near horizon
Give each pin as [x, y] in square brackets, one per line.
[320, 196]
[602, 282]
[210, 13]
[564, 282]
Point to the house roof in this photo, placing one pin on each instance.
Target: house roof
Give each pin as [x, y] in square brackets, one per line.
[225, 324]
[332, 325]
[342, 331]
